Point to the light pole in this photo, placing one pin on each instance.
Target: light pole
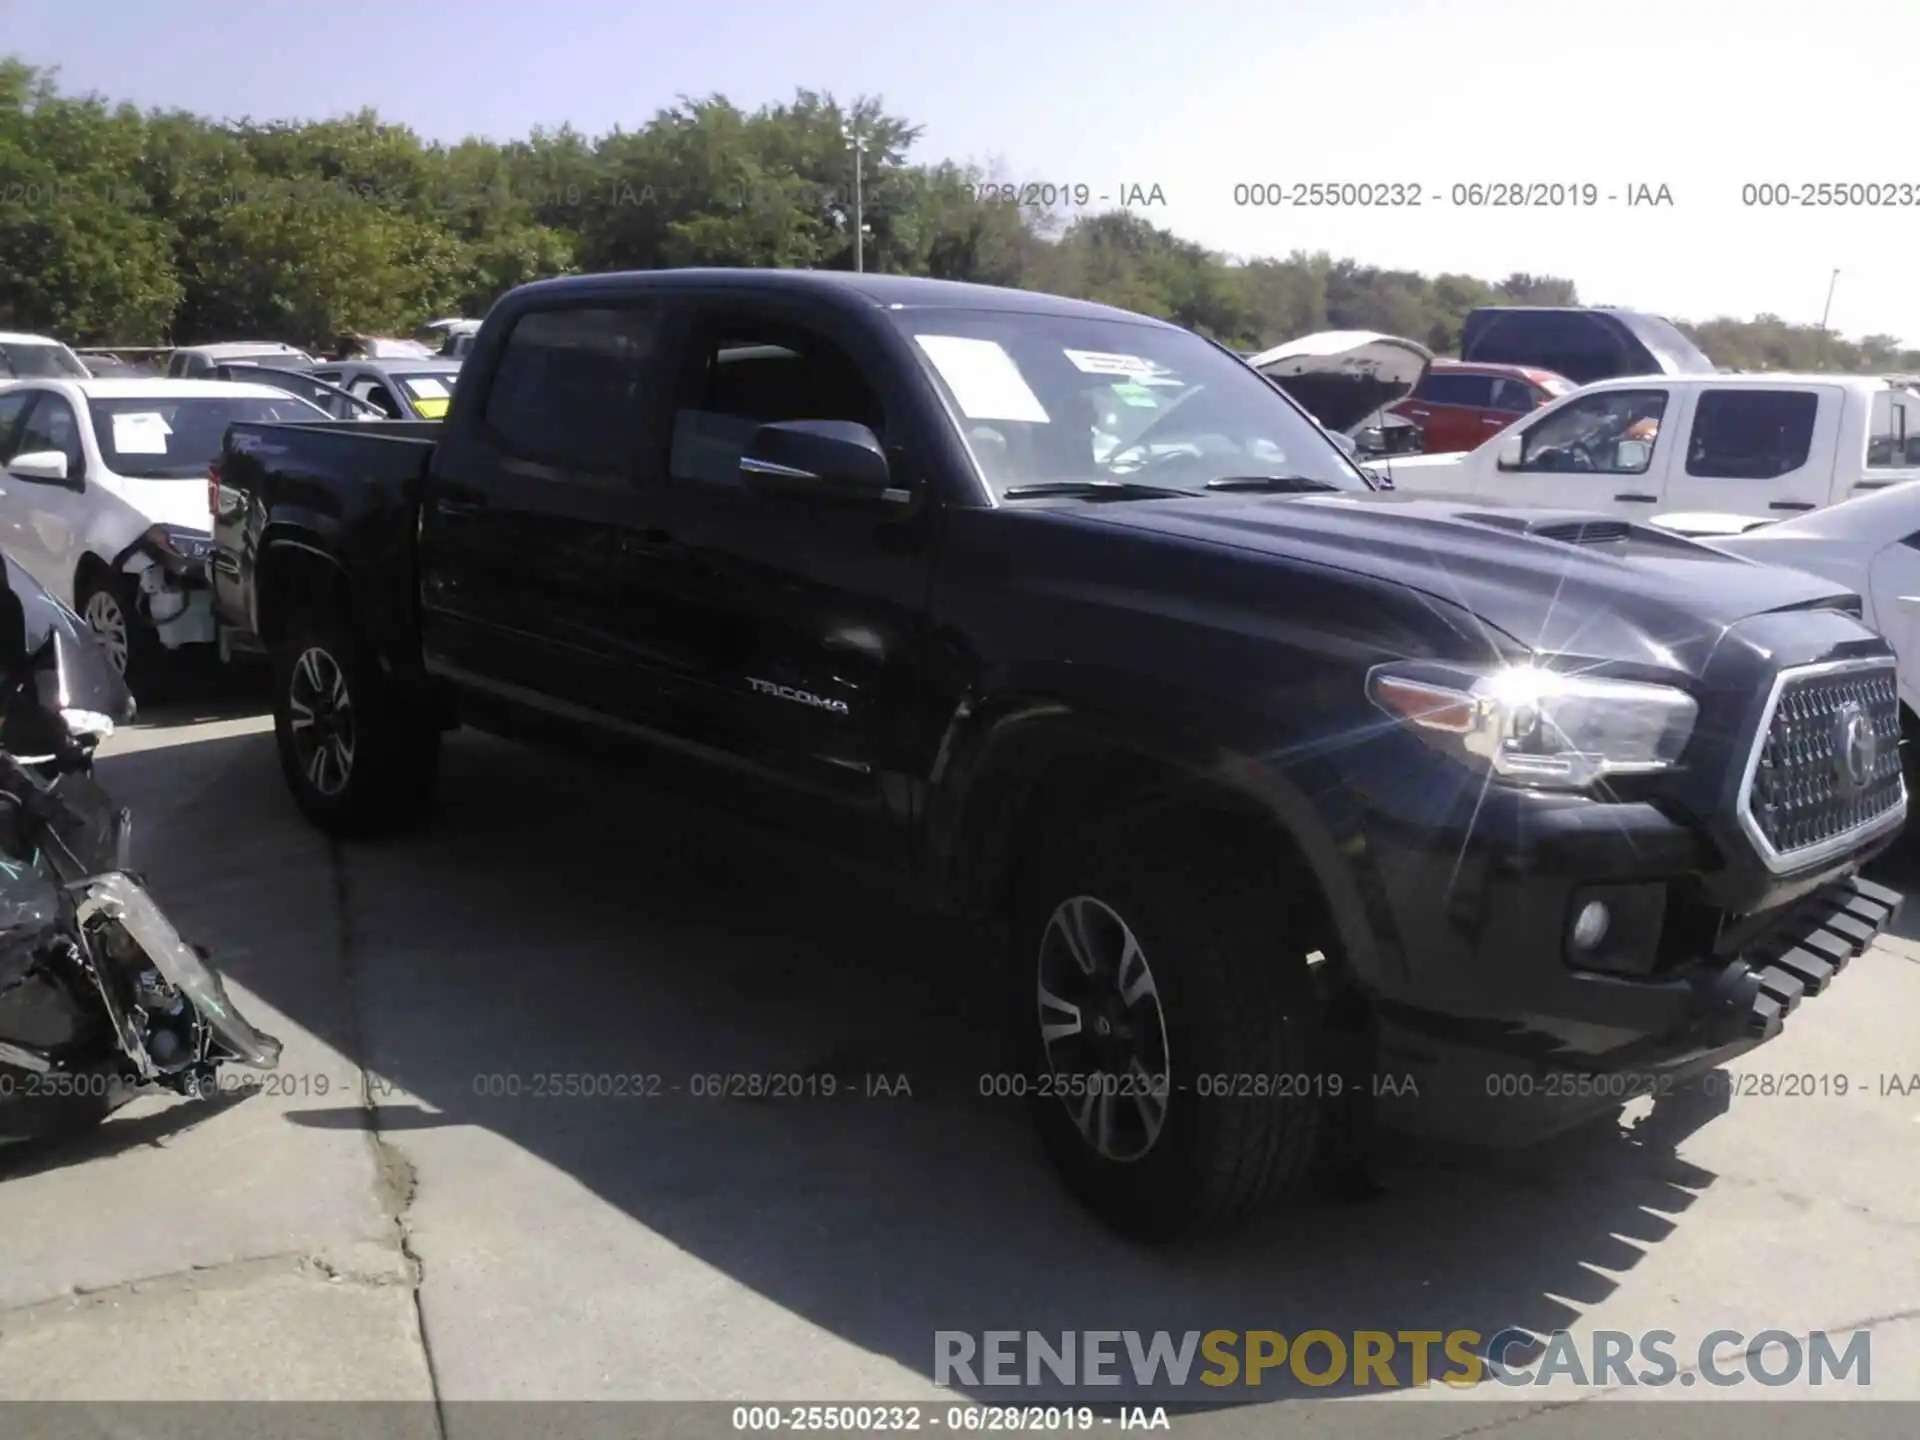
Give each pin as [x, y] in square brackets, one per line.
[1829, 305]
[859, 145]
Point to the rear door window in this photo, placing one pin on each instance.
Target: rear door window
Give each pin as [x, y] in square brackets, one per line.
[1751, 434]
[574, 385]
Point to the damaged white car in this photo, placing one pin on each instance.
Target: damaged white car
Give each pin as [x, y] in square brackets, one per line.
[104, 501]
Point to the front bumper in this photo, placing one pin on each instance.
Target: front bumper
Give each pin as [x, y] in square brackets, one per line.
[1521, 1076]
[176, 600]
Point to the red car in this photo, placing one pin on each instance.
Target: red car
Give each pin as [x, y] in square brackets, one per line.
[1458, 405]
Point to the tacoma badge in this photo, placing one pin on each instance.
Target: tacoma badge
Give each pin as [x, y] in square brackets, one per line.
[799, 697]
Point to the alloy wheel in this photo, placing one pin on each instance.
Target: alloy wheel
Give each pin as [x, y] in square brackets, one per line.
[109, 623]
[321, 721]
[1103, 1029]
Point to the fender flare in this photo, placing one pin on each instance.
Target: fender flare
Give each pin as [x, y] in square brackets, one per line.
[1011, 739]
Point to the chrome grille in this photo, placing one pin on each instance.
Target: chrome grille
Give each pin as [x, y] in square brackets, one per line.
[1825, 771]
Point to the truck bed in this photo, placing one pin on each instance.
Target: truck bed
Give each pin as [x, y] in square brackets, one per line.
[336, 488]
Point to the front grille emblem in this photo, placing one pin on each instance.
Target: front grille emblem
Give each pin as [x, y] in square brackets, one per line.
[1856, 748]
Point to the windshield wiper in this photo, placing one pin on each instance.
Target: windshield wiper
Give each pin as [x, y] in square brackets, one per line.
[1094, 490]
[1284, 484]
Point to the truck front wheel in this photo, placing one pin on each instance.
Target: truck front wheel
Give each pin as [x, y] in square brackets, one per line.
[1167, 1036]
[356, 761]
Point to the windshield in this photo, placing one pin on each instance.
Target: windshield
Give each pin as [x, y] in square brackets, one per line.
[166, 437]
[34, 360]
[1043, 399]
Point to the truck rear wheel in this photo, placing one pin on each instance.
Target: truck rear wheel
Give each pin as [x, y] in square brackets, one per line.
[356, 761]
[1166, 1036]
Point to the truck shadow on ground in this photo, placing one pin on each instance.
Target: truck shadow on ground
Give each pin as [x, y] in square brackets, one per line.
[553, 921]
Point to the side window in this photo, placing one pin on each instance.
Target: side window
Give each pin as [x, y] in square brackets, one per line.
[1448, 388]
[376, 394]
[571, 385]
[12, 407]
[1611, 433]
[1514, 397]
[52, 425]
[1751, 434]
[1891, 435]
[741, 376]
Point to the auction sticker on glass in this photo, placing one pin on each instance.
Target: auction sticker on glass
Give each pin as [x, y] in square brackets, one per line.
[1100, 362]
[142, 432]
[986, 384]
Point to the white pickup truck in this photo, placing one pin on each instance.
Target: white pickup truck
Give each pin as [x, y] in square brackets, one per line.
[1703, 454]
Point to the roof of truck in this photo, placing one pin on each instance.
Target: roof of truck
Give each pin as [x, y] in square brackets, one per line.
[905, 292]
[1749, 378]
[156, 388]
[231, 348]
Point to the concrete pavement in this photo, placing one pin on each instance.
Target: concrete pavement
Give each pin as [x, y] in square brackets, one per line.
[473, 1178]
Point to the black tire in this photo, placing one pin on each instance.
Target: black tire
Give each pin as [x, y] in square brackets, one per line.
[381, 779]
[147, 665]
[1244, 1115]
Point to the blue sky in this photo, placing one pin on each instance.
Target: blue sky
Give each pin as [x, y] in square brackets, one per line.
[1194, 96]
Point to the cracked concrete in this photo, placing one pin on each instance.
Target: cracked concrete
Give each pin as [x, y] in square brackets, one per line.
[482, 1171]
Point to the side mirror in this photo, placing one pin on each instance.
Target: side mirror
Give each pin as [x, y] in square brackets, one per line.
[1348, 445]
[47, 465]
[1512, 453]
[831, 459]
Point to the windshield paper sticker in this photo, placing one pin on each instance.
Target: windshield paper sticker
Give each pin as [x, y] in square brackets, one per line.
[1099, 362]
[428, 387]
[143, 432]
[986, 384]
[1132, 393]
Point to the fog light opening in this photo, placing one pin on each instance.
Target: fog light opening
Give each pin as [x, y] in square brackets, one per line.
[1590, 926]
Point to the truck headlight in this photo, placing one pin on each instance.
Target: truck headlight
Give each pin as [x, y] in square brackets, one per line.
[1532, 726]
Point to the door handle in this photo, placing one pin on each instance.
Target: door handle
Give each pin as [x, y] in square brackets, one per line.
[1422, 414]
[1792, 505]
[1638, 499]
[458, 509]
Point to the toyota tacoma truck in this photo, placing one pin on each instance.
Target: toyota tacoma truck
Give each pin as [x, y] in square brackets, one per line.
[1294, 809]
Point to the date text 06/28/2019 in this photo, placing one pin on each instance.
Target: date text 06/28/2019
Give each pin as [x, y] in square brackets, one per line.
[1462, 194]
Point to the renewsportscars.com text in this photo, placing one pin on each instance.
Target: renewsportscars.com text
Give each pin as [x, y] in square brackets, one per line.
[1160, 1359]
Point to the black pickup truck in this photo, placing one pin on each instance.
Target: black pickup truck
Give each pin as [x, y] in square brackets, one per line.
[1280, 797]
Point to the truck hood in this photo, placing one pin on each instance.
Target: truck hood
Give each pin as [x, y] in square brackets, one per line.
[1554, 581]
[1341, 377]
